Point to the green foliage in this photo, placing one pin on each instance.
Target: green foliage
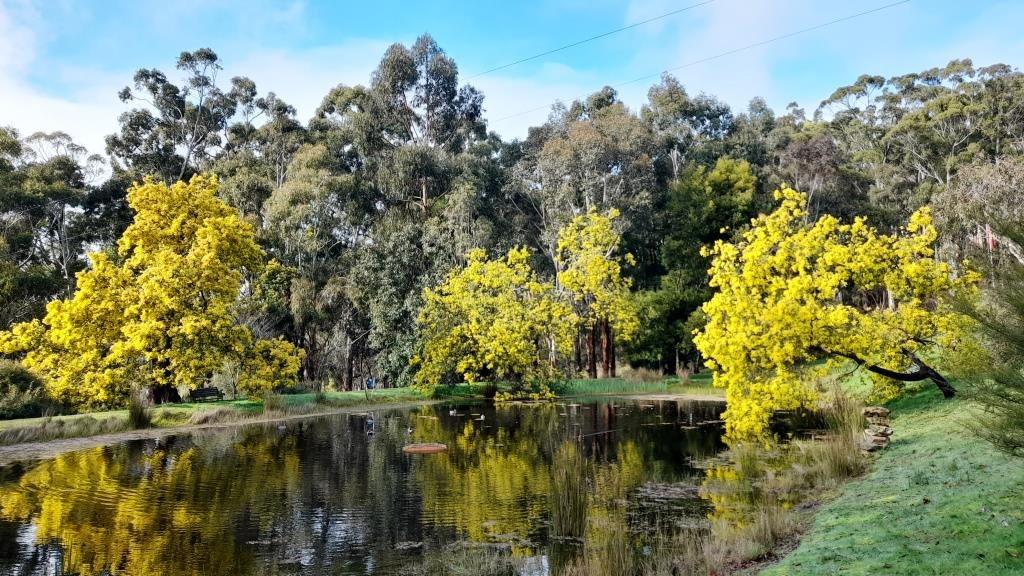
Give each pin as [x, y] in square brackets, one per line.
[997, 382]
[701, 206]
[21, 392]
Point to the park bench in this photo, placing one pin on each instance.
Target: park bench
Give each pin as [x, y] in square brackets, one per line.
[200, 394]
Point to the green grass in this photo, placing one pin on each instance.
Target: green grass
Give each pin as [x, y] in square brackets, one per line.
[698, 385]
[354, 397]
[938, 501]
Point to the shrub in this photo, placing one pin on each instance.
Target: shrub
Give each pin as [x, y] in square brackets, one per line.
[273, 402]
[214, 416]
[21, 392]
[996, 379]
[642, 375]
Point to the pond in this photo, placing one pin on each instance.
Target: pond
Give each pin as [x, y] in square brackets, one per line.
[337, 495]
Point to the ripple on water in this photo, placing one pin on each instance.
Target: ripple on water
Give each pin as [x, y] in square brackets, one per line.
[324, 496]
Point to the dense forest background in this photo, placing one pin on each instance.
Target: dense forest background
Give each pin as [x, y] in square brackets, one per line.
[389, 185]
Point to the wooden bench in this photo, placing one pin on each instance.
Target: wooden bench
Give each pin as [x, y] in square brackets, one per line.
[210, 393]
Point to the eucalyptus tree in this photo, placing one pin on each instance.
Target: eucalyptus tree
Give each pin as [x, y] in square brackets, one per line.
[417, 139]
[44, 181]
[259, 150]
[689, 128]
[909, 135]
[177, 128]
[314, 223]
[594, 155]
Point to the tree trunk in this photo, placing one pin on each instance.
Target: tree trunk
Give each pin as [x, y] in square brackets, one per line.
[606, 352]
[611, 347]
[577, 350]
[924, 372]
[592, 353]
[350, 364]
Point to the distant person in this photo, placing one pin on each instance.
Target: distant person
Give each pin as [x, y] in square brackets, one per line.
[369, 383]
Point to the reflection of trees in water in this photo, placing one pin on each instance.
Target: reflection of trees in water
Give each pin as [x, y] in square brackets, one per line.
[487, 485]
[152, 510]
[323, 496]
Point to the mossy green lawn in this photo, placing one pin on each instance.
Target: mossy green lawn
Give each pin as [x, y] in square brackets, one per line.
[938, 501]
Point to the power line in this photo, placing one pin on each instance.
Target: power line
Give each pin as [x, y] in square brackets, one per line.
[731, 52]
[591, 39]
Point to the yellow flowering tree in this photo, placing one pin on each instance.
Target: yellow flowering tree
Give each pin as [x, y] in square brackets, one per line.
[159, 312]
[791, 294]
[493, 320]
[590, 269]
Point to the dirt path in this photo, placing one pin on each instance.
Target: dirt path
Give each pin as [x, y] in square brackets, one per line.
[52, 448]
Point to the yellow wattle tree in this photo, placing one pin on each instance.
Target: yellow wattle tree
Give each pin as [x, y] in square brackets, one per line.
[590, 269]
[791, 294]
[158, 313]
[493, 320]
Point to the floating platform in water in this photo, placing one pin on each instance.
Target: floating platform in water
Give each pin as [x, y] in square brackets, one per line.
[425, 448]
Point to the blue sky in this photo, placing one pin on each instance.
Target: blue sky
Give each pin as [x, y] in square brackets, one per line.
[62, 62]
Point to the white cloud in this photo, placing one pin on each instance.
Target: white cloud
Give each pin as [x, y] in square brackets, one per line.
[86, 116]
[885, 43]
[303, 78]
[514, 103]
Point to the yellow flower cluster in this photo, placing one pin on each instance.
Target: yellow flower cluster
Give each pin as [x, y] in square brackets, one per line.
[159, 311]
[792, 293]
[493, 319]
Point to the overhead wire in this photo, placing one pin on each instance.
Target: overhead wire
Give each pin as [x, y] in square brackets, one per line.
[591, 39]
[732, 51]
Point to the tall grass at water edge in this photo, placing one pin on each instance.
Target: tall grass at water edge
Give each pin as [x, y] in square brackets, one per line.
[763, 498]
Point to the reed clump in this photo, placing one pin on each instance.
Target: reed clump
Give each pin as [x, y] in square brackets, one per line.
[59, 428]
[139, 415]
[569, 495]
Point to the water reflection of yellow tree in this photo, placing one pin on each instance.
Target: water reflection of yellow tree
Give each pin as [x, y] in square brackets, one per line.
[491, 484]
[501, 484]
[751, 489]
[166, 513]
[608, 540]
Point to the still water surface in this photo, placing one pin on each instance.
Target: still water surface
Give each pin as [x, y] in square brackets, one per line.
[326, 496]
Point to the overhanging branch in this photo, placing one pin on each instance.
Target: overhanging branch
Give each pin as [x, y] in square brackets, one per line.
[923, 372]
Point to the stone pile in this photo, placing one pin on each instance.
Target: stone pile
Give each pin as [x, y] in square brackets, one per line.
[876, 435]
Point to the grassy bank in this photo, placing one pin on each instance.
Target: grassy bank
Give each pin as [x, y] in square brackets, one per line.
[700, 384]
[184, 414]
[938, 501]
